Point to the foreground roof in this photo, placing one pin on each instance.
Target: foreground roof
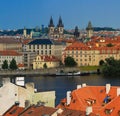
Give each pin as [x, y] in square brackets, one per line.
[103, 100]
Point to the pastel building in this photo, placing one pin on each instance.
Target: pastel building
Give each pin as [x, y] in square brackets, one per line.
[25, 96]
[9, 55]
[86, 55]
[45, 47]
[41, 60]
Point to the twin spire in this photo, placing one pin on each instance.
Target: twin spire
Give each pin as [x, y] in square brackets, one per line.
[60, 24]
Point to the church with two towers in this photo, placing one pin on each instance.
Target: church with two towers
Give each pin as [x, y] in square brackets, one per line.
[56, 31]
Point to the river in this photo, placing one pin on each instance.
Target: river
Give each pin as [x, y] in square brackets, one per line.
[63, 84]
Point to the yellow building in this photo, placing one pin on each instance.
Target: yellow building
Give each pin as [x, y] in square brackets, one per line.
[41, 60]
[90, 56]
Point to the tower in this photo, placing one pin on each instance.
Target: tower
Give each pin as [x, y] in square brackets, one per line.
[51, 27]
[60, 27]
[76, 33]
[24, 32]
[89, 30]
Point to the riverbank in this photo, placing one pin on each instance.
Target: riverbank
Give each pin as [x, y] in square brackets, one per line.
[42, 71]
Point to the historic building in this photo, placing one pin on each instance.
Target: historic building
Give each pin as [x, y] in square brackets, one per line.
[41, 60]
[9, 55]
[58, 31]
[76, 32]
[89, 30]
[90, 56]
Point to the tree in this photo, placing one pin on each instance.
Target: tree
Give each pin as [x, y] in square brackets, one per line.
[110, 45]
[101, 62]
[5, 64]
[45, 66]
[111, 68]
[70, 62]
[13, 64]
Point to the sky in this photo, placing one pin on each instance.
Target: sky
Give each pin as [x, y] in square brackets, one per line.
[16, 14]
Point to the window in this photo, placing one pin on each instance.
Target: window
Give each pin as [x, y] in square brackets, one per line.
[41, 46]
[45, 51]
[33, 46]
[50, 52]
[45, 46]
[41, 51]
[37, 46]
[49, 46]
[29, 46]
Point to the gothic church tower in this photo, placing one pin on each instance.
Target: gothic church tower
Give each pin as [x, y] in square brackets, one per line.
[89, 30]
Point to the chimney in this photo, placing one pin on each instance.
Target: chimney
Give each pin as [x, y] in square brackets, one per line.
[68, 97]
[107, 88]
[88, 110]
[5, 80]
[118, 91]
[78, 86]
[84, 85]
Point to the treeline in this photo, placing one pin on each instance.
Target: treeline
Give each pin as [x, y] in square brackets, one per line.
[104, 29]
[110, 67]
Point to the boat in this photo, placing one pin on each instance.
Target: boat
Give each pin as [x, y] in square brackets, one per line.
[70, 74]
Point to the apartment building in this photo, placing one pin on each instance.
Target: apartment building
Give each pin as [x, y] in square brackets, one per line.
[90, 56]
[9, 55]
[45, 47]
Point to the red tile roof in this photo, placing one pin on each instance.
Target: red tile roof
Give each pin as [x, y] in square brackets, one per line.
[93, 96]
[15, 110]
[51, 58]
[38, 111]
[10, 53]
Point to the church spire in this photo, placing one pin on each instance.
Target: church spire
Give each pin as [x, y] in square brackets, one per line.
[60, 24]
[51, 24]
[89, 27]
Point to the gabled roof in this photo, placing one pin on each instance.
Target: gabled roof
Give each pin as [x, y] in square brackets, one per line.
[15, 110]
[38, 111]
[41, 41]
[94, 96]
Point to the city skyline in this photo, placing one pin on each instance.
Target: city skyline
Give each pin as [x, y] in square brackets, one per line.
[17, 14]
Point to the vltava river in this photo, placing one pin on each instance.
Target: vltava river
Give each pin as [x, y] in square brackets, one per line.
[63, 84]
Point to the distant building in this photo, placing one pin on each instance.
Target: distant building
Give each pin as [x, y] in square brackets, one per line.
[86, 55]
[9, 55]
[76, 32]
[58, 31]
[33, 34]
[45, 47]
[41, 60]
[89, 30]
[10, 43]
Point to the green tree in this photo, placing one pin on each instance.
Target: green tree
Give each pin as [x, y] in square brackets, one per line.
[70, 62]
[5, 64]
[111, 68]
[45, 66]
[13, 64]
[101, 62]
[110, 45]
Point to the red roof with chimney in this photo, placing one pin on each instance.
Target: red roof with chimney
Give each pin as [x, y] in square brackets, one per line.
[94, 96]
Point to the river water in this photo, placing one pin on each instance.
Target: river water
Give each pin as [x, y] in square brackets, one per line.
[63, 84]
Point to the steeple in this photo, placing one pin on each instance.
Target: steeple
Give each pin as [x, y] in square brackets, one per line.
[76, 33]
[89, 27]
[60, 24]
[51, 24]
[89, 30]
